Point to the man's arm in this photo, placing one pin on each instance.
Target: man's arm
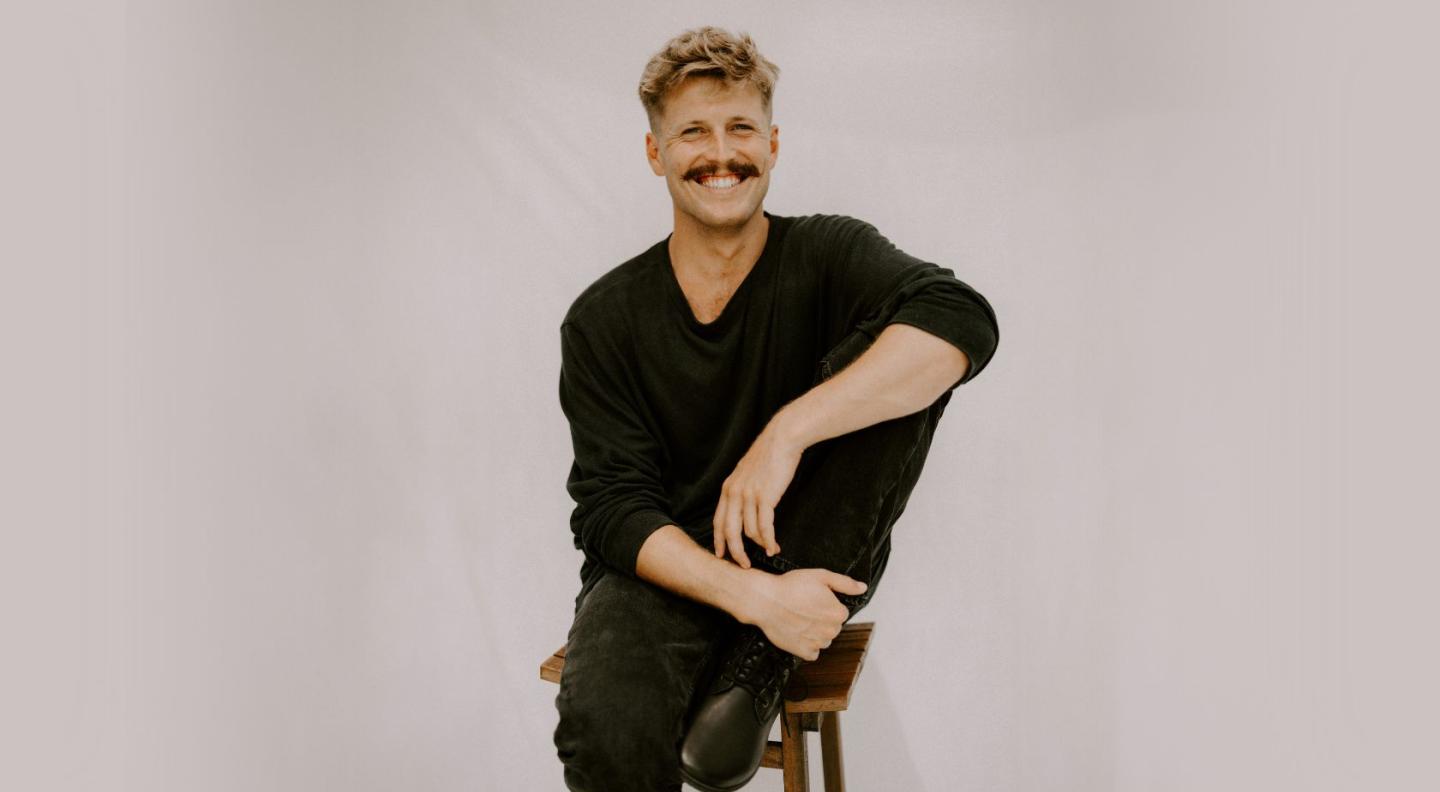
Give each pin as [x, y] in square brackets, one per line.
[669, 558]
[904, 371]
[621, 516]
[797, 610]
[615, 479]
[932, 332]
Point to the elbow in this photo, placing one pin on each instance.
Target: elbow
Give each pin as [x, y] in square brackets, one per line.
[948, 374]
[959, 368]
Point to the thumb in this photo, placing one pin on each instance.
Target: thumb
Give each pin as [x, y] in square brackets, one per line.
[844, 584]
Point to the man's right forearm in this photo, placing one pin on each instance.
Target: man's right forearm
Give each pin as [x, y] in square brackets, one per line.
[672, 560]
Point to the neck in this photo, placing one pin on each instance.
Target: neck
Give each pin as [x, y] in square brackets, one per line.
[717, 253]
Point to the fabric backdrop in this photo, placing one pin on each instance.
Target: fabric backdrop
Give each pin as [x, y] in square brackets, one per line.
[284, 462]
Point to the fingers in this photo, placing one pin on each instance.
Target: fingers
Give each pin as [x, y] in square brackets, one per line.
[733, 526]
[760, 523]
[718, 523]
[736, 544]
[722, 509]
[845, 584]
[767, 529]
[727, 528]
[752, 520]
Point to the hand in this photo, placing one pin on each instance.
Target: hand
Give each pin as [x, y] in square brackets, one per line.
[748, 496]
[798, 610]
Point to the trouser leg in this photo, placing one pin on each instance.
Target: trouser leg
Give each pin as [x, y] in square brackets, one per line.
[634, 657]
[848, 491]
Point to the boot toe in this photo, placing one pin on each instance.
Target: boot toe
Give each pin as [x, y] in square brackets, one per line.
[724, 745]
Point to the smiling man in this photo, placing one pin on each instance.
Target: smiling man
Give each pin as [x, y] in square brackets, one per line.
[751, 401]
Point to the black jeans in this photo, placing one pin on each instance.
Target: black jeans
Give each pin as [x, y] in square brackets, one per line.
[638, 653]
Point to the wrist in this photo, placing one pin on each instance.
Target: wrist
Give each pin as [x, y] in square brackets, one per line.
[787, 428]
[750, 601]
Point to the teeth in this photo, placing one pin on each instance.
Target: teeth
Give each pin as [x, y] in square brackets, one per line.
[720, 182]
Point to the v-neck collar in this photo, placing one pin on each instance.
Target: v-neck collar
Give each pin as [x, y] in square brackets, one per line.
[734, 305]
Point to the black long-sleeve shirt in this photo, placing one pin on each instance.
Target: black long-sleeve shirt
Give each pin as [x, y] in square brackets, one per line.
[662, 407]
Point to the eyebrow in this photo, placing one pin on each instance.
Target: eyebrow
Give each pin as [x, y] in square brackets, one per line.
[747, 119]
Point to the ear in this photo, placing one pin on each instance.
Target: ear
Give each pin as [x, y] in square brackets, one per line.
[652, 154]
[774, 145]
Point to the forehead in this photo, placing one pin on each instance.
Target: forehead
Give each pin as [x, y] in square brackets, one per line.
[711, 99]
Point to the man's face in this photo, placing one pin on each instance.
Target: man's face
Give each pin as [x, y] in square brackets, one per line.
[713, 133]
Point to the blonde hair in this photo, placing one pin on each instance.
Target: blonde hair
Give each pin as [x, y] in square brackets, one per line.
[705, 52]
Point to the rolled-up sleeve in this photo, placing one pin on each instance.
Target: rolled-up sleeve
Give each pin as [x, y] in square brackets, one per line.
[874, 284]
[615, 479]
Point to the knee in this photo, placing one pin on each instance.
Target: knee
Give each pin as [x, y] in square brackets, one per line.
[630, 664]
[617, 738]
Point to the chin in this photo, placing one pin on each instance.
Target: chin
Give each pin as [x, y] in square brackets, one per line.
[727, 221]
[734, 218]
[719, 217]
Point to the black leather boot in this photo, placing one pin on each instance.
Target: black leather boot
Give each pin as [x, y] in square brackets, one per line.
[726, 737]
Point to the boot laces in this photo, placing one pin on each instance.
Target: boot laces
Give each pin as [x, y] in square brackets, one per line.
[762, 669]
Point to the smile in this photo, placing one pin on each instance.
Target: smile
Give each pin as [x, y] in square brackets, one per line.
[720, 183]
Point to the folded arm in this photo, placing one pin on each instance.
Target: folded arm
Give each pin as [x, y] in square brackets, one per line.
[932, 333]
[797, 611]
[904, 371]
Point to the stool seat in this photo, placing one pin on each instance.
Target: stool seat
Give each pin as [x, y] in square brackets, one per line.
[816, 695]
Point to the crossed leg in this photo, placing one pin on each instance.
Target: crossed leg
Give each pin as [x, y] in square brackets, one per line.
[849, 491]
[637, 654]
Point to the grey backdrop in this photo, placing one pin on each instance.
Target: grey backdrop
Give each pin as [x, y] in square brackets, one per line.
[284, 465]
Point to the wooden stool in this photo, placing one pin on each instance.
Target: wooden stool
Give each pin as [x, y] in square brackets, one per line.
[825, 685]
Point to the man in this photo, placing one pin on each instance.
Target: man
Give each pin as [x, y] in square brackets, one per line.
[746, 357]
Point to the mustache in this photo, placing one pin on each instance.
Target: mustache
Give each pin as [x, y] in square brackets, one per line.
[743, 169]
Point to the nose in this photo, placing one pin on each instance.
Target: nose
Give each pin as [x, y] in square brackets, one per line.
[720, 148]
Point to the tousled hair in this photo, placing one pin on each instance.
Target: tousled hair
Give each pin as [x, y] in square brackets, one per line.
[705, 52]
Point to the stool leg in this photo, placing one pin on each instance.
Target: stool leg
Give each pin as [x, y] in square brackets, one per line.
[792, 742]
[830, 754]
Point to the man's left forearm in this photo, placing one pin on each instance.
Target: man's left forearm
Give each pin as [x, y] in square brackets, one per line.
[903, 372]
